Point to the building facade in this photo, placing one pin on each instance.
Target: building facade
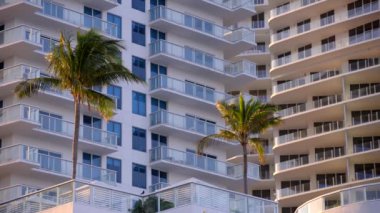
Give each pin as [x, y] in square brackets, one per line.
[317, 60]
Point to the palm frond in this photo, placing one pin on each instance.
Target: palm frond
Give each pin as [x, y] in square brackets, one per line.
[222, 136]
[32, 86]
[102, 103]
[257, 145]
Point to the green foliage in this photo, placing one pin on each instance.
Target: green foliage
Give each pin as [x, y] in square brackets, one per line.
[150, 205]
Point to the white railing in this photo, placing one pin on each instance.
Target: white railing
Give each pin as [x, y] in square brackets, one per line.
[363, 194]
[198, 24]
[317, 23]
[187, 123]
[293, 5]
[19, 112]
[86, 133]
[255, 51]
[73, 191]
[292, 110]
[291, 137]
[328, 127]
[293, 190]
[363, 64]
[20, 33]
[187, 88]
[203, 59]
[365, 91]
[204, 163]
[305, 80]
[15, 191]
[362, 118]
[329, 182]
[18, 153]
[293, 163]
[332, 99]
[320, 49]
[18, 73]
[234, 4]
[83, 20]
[328, 154]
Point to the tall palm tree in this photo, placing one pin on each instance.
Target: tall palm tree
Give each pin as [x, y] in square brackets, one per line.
[94, 61]
[244, 120]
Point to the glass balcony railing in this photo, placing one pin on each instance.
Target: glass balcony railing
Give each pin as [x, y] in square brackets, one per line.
[203, 59]
[367, 145]
[293, 163]
[204, 163]
[57, 11]
[331, 181]
[293, 190]
[18, 153]
[328, 127]
[203, 26]
[357, 93]
[329, 154]
[18, 73]
[187, 123]
[365, 118]
[320, 49]
[234, 4]
[292, 110]
[328, 100]
[305, 80]
[7, 2]
[19, 112]
[293, 5]
[367, 7]
[292, 136]
[86, 133]
[363, 194]
[360, 64]
[187, 88]
[158, 186]
[15, 191]
[20, 33]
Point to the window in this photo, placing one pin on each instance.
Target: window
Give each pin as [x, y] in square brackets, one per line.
[47, 43]
[296, 186]
[200, 91]
[159, 177]
[138, 103]
[359, 117]
[326, 126]
[138, 5]
[158, 140]
[157, 105]
[260, 47]
[303, 26]
[53, 9]
[112, 18]
[154, 3]
[364, 32]
[328, 44]
[199, 57]
[362, 144]
[115, 165]
[327, 18]
[138, 67]
[156, 35]
[297, 160]
[307, 2]
[115, 91]
[261, 71]
[50, 122]
[264, 193]
[304, 52]
[283, 8]
[200, 125]
[92, 18]
[115, 127]
[359, 90]
[138, 33]
[50, 161]
[139, 139]
[283, 58]
[91, 166]
[92, 128]
[288, 209]
[138, 175]
[260, 95]
[327, 180]
[283, 33]
[365, 171]
[258, 21]
[360, 7]
[156, 69]
[358, 64]
[328, 152]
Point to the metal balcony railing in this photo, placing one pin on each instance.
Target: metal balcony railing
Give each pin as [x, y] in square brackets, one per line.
[18, 73]
[19, 112]
[20, 33]
[293, 163]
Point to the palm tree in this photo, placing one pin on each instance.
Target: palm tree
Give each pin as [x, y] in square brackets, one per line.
[94, 61]
[244, 120]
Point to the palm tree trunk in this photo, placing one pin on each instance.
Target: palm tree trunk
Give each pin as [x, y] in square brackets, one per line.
[76, 136]
[245, 168]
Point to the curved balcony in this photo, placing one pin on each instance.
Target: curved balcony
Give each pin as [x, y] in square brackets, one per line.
[232, 41]
[18, 8]
[201, 166]
[340, 19]
[364, 198]
[16, 117]
[322, 52]
[168, 88]
[20, 40]
[25, 157]
[15, 191]
[260, 55]
[11, 76]
[289, 191]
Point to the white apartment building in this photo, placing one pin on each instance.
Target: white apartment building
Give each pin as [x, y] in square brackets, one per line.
[317, 60]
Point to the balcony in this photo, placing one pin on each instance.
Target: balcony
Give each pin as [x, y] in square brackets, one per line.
[25, 158]
[188, 196]
[16, 117]
[289, 191]
[206, 32]
[292, 163]
[259, 54]
[201, 166]
[299, 135]
[15, 191]
[362, 92]
[167, 88]
[329, 154]
[330, 180]
[367, 145]
[327, 50]
[349, 200]
[102, 4]
[186, 58]
[340, 16]
[20, 41]
[18, 8]
[11, 76]
[158, 186]
[67, 19]
[90, 139]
